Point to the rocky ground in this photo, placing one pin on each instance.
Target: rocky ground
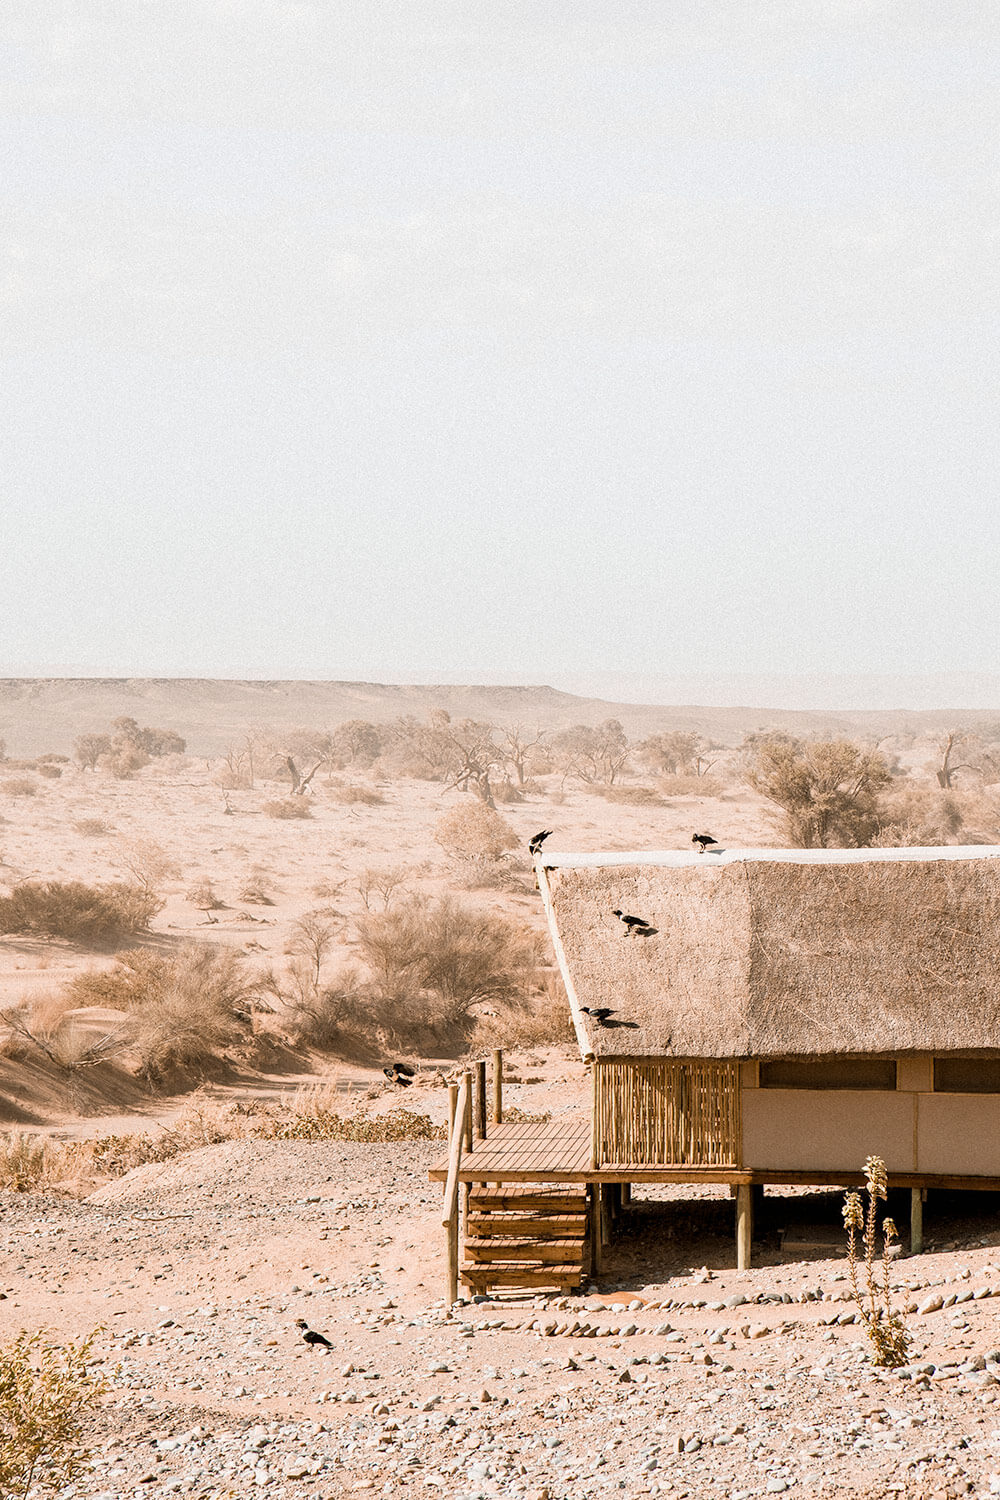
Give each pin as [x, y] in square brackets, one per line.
[672, 1377]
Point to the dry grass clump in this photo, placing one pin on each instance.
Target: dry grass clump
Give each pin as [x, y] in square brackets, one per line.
[49, 771]
[26, 1161]
[19, 786]
[204, 896]
[46, 1394]
[314, 1118]
[690, 786]
[639, 796]
[92, 828]
[47, 1025]
[79, 913]
[287, 808]
[542, 1020]
[351, 792]
[256, 889]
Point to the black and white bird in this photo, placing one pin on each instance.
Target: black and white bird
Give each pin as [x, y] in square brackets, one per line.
[630, 923]
[400, 1073]
[600, 1013]
[539, 839]
[703, 840]
[310, 1336]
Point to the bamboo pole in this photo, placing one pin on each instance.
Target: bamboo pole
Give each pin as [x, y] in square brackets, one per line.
[498, 1087]
[481, 1098]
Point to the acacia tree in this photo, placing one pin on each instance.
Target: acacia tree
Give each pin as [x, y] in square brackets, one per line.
[828, 790]
[595, 754]
[516, 746]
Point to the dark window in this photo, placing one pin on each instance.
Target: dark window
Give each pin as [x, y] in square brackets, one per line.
[967, 1075]
[829, 1073]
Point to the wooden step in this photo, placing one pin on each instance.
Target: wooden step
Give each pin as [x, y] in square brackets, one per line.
[565, 1277]
[553, 1226]
[569, 1200]
[555, 1251]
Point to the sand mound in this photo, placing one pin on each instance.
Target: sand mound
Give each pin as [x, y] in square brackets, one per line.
[163, 1184]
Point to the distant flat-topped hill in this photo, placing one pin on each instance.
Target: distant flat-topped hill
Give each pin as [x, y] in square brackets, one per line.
[46, 713]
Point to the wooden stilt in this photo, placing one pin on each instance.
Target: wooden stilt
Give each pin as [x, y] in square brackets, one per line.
[481, 1098]
[626, 1194]
[916, 1221]
[604, 1199]
[498, 1087]
[744, 1226]
[467, 1122]
[596, 1238]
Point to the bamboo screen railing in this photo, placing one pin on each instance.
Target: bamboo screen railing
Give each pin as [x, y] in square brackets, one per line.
[667, 1114]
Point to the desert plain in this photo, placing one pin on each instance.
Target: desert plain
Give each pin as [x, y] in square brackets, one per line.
[672, 1374]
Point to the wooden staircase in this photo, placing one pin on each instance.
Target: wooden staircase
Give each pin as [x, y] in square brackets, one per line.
[526, 1236]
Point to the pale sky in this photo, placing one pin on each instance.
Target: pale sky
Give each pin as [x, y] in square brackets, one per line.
[432, 337]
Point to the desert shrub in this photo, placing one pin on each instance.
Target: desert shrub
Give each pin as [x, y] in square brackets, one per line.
[19, 786]
[88, 749]
[184, 1008]
[917, 815]
[204, 895]
[256, 889]
[47, 1393]
[506, 791]
[85, 914]
[23, 1161]
[47, 1025]
[287, 807]
[123, 760]
[828, 790]
[381, 885]
[324, 1016]
[146, 861]
[475, 835]
[50, 772]
[351, 792]
[314, 1118]
[449, 956]
[638, 796]
[92, 828]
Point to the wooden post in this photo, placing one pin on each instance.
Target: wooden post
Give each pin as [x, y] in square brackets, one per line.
[744, 1226]
[467, 1078]
[626, 1191]
[596, 1239]
[605, 1213]
[452, 1106]
[916, 1221]
[481, 1098]
[498, 1087]
[459, 1108]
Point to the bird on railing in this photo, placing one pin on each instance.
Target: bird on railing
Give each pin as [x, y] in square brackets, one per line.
[311, 1337]
[703, 840]
[539, 839]
[600, 1013]
[400, 1073]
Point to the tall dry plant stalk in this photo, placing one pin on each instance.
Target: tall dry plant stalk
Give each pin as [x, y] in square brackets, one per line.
[884, 1327]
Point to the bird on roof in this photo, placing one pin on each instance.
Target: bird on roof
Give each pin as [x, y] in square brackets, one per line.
[539, 839]
[703, 840]
[600, 1013]
[400, 1073]
[310, 1336]
[631, 923]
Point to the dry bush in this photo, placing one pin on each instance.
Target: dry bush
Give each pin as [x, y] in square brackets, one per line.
[351, 792]
[92, 828]
[84, 914]
[445, 958]
[52, 773]
[324, 1017]
[287, 807]
[203, 895]
[919, 816]
[185, 1009]
[47, 1392]
[382, 883]
[639, 796]
[25, 1161]
[313, 1117]
[146, 861]
[472, 831]
[256, 889]
[506, 791]
[123, 760]
[690, 786]
[46, 1025]
[19, 786]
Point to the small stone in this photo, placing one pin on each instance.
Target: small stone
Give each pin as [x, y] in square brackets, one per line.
[930, 1304]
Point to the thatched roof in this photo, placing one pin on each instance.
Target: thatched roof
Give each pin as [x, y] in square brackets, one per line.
[779, 953]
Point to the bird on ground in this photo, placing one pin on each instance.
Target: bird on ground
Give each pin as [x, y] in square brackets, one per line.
[539, 839]
[400, 1073]
[631, 923]
[703, 840]
[600, 1013]
[310, 1336]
